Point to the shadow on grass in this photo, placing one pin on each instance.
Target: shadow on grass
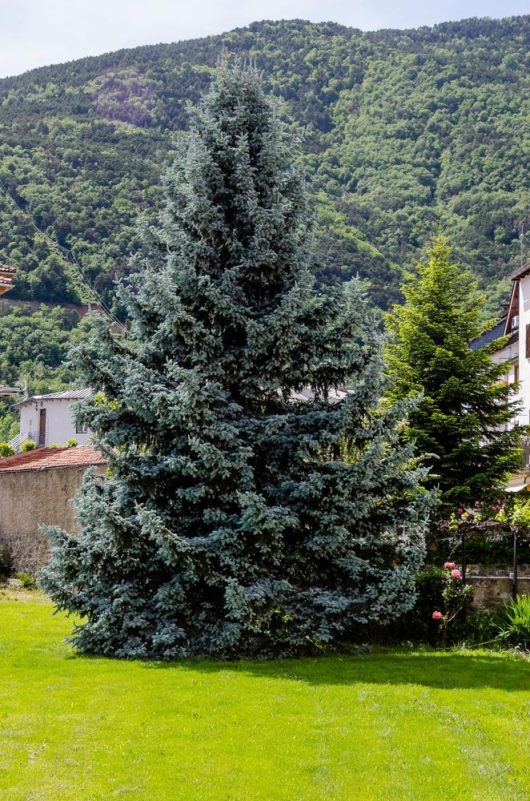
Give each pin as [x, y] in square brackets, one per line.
[442, 670]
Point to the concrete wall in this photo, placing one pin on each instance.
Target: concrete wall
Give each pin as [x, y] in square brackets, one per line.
[60, 426]
[30, 498]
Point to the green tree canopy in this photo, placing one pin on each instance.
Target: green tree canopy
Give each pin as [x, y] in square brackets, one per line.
[464, 420]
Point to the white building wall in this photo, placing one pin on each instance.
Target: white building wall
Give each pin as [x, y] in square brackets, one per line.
[60, 425]
[510, 356]
[524, 363]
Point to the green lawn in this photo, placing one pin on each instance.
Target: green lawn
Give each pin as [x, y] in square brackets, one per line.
[390, 726]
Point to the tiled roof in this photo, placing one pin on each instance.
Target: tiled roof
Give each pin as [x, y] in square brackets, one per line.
[67, 394]
[48, 458]
[489, 336]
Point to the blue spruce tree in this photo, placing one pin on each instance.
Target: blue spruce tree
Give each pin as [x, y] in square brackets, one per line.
[248, 508]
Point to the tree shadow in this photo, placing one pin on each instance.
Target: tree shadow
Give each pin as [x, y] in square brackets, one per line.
[444, 670]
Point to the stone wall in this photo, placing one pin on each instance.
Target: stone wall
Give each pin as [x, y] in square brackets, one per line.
[29, 499]
[492, 584]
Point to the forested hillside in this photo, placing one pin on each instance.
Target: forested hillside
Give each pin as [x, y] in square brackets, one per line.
[403, 132]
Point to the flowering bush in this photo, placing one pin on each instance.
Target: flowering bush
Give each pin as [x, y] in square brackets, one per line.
[454, 595]
[477, 513]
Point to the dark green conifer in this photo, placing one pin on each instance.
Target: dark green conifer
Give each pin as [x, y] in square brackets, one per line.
[237, 517]
[464, 422]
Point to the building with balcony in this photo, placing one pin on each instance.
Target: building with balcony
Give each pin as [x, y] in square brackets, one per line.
[514, 328]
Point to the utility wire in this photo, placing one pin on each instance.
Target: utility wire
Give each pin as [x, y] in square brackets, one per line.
[66, 253]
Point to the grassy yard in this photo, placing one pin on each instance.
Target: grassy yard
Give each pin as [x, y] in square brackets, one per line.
[399, 725]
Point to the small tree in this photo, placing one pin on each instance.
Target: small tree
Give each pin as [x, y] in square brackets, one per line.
[464, 422]
[237, 516]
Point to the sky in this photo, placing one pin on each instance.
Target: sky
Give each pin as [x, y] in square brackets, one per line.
[36, 33]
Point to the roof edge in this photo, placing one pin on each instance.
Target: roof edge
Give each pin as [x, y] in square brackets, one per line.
[522, 270]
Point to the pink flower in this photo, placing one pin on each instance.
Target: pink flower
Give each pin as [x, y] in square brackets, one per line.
[449, 565]
[459, 510]
[456, 574]
[437, 615]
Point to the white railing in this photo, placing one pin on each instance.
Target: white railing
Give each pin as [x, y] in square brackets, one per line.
[16, 442]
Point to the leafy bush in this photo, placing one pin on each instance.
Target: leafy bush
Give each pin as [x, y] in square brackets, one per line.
[28, 581]
[28, 445]
[440, 598]
[6, 449]
[418, 624]
[514, 626]
[72, 443]
[454, 599]
[479, 628]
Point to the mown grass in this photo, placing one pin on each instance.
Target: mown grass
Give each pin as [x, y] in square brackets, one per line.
[384, 726]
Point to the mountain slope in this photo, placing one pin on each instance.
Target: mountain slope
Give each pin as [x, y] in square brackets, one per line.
[403, 132]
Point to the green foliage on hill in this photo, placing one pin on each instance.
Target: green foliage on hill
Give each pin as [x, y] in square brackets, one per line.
[404, 132]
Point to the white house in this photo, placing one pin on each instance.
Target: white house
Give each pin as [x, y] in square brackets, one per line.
[516, 356]
[48, 419]
[518, 327]
[516, 353]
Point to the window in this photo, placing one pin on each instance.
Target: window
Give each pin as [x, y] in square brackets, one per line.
[80, 428]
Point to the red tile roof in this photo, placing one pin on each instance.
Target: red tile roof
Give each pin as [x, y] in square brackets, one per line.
[48, 458]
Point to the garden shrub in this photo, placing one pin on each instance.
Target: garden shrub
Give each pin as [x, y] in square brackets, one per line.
[440, 598]
[514, 627]
[6, 449]
[28, 445]
[28, 581]
[479, 628]
[418, 624]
